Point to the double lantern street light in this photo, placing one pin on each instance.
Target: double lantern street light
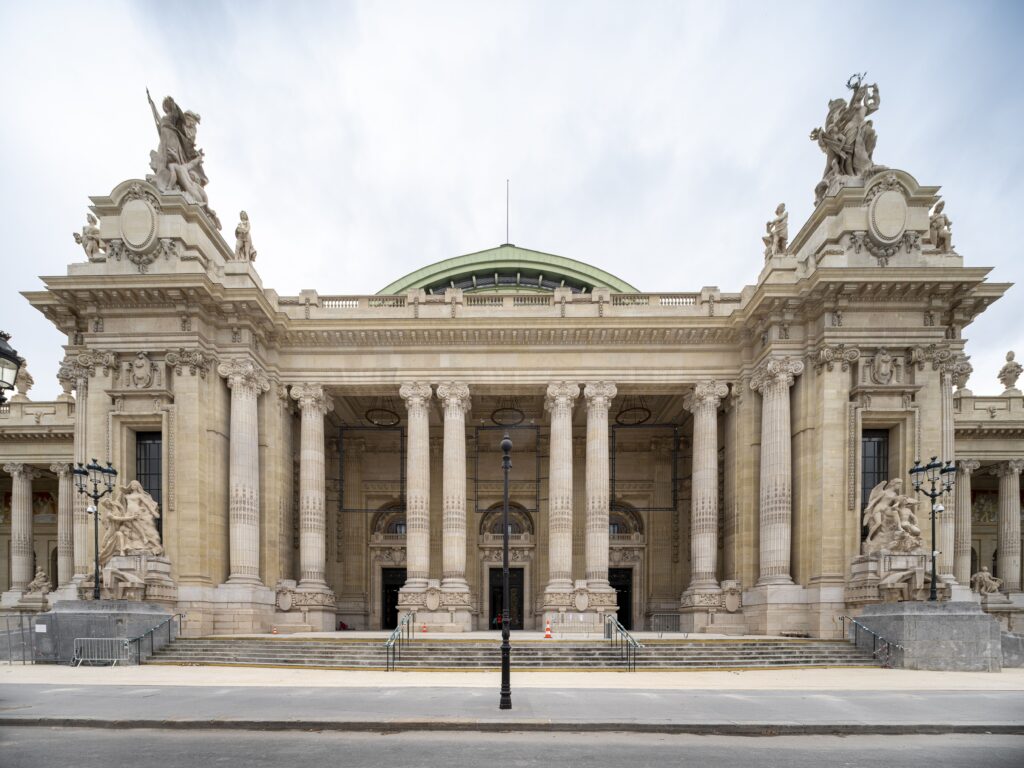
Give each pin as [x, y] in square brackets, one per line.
[505, 699]
[940, 478]
[10, 364]
[102, 481]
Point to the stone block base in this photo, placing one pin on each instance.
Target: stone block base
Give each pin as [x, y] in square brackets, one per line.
[241, 609]
[777, 609]
[437, 609]
[289, 624]
[10, 598]
[938, 636]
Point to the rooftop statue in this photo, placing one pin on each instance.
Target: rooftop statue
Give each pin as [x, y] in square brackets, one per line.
[89, 239]
[940, 228]
[176, 162]
[848, 137]
[1009, 374]
[243, 239]
[776, 239]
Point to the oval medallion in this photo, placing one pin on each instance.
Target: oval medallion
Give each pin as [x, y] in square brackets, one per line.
[138, 224]
[888, 216]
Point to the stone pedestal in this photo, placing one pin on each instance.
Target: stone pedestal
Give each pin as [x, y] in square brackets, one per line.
[437, 610]
[776, 609]
[242, 609]
[140, 577]
[937, 636]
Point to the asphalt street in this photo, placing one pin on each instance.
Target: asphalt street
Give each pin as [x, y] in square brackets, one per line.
[698, 711]
[87, 748]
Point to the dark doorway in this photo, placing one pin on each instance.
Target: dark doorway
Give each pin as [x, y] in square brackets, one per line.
[621, 580]
[515, 593]
[391, 580]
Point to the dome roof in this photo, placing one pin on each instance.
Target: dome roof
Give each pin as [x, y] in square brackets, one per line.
[508, 269]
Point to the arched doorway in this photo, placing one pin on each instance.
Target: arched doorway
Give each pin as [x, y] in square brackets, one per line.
[521, 543]
[387, 545]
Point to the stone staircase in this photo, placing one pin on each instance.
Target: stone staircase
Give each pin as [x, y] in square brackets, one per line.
[423, 654]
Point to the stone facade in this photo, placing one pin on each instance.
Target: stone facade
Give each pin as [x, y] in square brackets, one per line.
[693, 453]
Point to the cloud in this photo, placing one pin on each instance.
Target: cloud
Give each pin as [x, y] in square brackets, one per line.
[366, 139]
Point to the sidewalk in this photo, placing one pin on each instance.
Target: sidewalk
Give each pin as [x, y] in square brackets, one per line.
[812, 701]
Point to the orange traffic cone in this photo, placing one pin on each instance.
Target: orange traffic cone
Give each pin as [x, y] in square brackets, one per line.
[424, 627]
[547, 630]
[274, 630]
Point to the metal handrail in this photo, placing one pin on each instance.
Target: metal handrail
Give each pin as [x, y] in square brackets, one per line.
[393, 645]
[621, 639]
[137, 642]
[882, 649]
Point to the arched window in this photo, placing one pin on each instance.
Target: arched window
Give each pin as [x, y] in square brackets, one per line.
[396, 525]
[624, 520]
[519, 521]
[390, 520]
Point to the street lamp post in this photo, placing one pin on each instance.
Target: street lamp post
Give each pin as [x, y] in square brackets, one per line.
[10, 363]
[505, 701]
[940, 478]
[95, 475]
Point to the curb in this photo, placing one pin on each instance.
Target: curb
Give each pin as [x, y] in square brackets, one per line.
[551, 726]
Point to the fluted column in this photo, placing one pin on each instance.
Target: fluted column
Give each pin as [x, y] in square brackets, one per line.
[417, 486]
[1008, 540]
[21, 523]
[599, 397]
[80, 518]
[946, 522]
[704, 402]
[314, 405]
[962, 549]
[65, 536]
[456, 401]
[246, 382]
[773, 380]
[560, 399]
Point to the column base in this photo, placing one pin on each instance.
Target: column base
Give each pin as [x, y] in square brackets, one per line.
[698, 606]
[309, 606]
[777, 609]
[436, 610]
[578, 610]
[242, 609]
[11, 597]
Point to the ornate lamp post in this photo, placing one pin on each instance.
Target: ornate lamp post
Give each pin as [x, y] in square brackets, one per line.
[95, 475]
[10, 363]
[505, 701]
[940, 478]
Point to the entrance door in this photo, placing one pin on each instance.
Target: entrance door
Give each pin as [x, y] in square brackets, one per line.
[621, 580]
[515, 593]
[391, 580]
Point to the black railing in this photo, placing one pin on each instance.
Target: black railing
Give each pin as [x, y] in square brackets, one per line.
[148, 640]
[393, 645]
[621, 639]
[886, 651]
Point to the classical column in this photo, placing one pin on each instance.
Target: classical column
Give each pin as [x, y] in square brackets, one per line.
[1008, 541]
[247, 382]
[78, 375]
[599, 395]
[560, 398]
[704, 402]
[21, 523]
[456, 401]
[962, 548]
[417, 486]
[946, 521]
[314, 405]
[773, 380]
[65, 548]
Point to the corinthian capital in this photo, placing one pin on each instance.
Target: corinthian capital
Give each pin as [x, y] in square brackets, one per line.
[561, 394]
[21, 470]
[416, 394]
[707, 393]
[60, 470]
[244, 373]
[967, 466]
[312, 397]
[776, 370]
[1012, 467]
[454, 395]
[599, 394]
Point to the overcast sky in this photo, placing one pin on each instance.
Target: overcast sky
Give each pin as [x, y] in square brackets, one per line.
[651, 139]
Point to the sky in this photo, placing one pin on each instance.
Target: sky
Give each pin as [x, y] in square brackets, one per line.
[366, 140]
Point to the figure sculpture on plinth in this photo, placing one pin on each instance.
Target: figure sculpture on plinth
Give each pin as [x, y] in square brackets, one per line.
[176, 162]
[129, 515]
[984, 583]
[890, 519]
[243, 239]
[848, 138]
[89, 239]
[940, 228]
[1009, 374]
[776, 239]
[40, 585]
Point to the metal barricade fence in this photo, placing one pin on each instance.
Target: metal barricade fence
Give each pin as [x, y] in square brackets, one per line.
[103, 650]
[17, 638]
